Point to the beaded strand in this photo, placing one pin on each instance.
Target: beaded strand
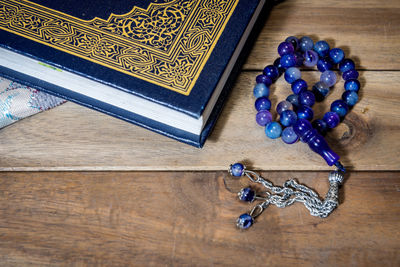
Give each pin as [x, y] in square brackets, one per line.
[295, 53]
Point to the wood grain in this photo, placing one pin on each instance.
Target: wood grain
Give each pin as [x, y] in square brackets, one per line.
[368, 31]
[187, 218]
[75, 138]
[71, 137]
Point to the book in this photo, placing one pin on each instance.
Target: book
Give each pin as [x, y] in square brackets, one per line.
[165, 65]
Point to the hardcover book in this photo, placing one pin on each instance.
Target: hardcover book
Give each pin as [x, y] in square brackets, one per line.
[162, 64]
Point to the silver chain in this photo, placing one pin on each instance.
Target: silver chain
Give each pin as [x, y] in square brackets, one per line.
[291, 192]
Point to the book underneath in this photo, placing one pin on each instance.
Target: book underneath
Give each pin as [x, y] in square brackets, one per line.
[165, 65]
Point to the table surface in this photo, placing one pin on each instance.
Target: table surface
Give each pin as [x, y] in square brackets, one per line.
[80, 188]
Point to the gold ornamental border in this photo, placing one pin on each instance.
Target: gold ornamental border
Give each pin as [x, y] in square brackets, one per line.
[166, 44]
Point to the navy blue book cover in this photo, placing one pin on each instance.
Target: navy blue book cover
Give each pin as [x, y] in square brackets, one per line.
[172, 52]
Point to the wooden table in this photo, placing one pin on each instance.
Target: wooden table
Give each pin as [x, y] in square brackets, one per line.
[81, 188]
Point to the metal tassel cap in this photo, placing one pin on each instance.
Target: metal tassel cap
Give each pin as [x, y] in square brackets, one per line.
[336, 177]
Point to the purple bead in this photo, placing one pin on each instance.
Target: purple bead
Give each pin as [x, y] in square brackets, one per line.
[332, 119]
[288, 118]
[289, 136]
[310, 58]
[320, 91]
[320, 126]
[350, 97]
[237, 169]
[282, 106]
[305, 112]
[324, 64]
[299, 86]
[288, 61]
[263, 117]
[263, 79]
[306, 43]
[340, 107]
[294, 41]
[293, 99]
[328, 77]
[285, 48]
[346, 65]
[292, 74]
[307, 98]
[322, 48]
[262, 103]
[337, 55]
[271, 72]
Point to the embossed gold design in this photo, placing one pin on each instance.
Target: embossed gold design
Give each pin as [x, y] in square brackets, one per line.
[166, 44]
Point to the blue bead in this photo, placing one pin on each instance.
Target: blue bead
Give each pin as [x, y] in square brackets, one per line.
[305, 112]
[352, 85]
[340, 107]
[320, 126]
[292, 74]
[307, 98]
[293, 99]
[288, 118]
[273, 130]
[350, 97]
[277, 63]
[263, 79]
[282, 106]
[299, 86]
[294, 41]
[288, 61]
[306, 43]
[271, 72]
[244, 221]
[332, 119]
[262, 103]
[237, 169]
[260, 90]
[289, 136]
[329, 78]
[350, 74]
[320, 91]
[322, 48]
[263, 117]
[247, 194]
[310, 58]
[324, 64]
[336, 55]
[346, 65]
[285, 48]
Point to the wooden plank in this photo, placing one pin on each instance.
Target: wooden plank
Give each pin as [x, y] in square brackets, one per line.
[367, 30]
[183, 218]
[71, 137]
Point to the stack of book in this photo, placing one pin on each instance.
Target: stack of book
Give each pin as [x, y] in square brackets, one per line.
[166, 65]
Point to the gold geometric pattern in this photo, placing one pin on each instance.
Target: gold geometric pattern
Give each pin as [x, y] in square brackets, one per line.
[166, 44]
